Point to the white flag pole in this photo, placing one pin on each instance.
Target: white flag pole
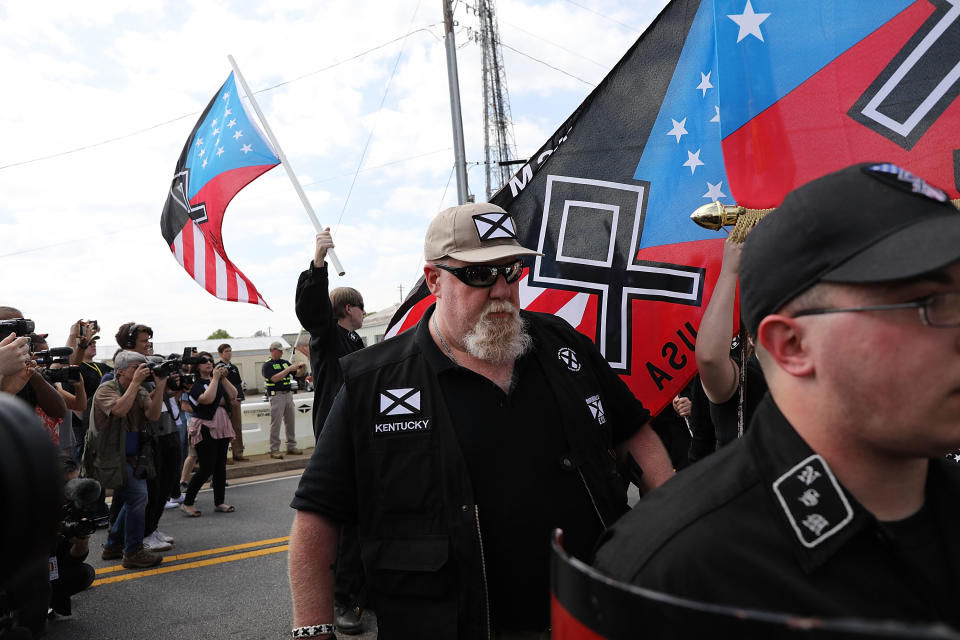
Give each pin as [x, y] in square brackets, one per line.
[331, 254]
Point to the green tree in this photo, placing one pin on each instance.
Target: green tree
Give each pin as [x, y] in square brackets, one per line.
[260, 333]
[219, 334]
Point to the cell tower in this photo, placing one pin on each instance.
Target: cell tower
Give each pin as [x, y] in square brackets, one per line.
[499, 145]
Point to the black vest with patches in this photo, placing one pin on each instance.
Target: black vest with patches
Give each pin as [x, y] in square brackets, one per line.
[418, 523]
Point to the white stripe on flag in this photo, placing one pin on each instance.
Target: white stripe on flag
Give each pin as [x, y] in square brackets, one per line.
[199, 257]
[527, 293]
[242, 294]
[221, 276]
[395, 328]
[178, 247]
[572, 312]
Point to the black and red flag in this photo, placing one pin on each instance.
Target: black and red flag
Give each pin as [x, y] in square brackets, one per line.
[732, 100]
[224, 153]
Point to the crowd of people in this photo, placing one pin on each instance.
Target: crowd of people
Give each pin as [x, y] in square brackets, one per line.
[149, 430]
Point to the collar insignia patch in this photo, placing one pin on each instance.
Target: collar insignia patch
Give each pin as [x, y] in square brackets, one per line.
[813, 501]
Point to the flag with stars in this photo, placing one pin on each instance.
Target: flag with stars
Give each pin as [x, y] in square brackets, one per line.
[738, 101]
[225, 152]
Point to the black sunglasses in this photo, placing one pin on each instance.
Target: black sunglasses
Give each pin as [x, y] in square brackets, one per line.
[485, 275]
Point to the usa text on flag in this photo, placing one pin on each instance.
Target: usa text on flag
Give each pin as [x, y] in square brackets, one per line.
[729, 100]
[224, 153]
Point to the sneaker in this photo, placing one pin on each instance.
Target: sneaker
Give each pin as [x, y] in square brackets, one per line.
[276, 455]
[173, 503]
[163, 536]
[348, 620]
[141, 559]
[111, 553]
[295, 451]
[153, 543]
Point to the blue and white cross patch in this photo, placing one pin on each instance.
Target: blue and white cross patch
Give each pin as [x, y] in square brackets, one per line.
[493, 225]
[395, 402]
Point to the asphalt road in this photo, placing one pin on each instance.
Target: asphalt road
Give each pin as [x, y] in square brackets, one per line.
[226, 576]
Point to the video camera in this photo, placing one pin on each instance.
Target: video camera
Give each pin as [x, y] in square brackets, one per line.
[19, 326]
[76, 515]
[62, 375]
[57, 355]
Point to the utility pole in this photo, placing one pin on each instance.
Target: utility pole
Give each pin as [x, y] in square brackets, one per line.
[401, 292]
[460, 156]
[499, 146]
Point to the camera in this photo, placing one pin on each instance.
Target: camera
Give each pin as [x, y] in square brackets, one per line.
[141, 469]
[19, 326]
[76, 515]
[93, 325]
[64, 374]
[187, 380]
[188, 357]
[163, 369]
[57, 355]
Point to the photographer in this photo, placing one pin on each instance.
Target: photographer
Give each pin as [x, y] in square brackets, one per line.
[167, 454]
[64, 378]
[210, 432]
[27, 384]
[14, 354]
[121, 408]
[85, 343]
[69, 574]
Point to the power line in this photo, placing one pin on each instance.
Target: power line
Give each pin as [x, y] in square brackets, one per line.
[376, 118]
[546, 64]
[604, 16]
[559, 46]
[195, 113]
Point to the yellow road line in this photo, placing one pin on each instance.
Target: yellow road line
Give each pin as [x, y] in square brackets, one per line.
[205, 552]
[192, 565]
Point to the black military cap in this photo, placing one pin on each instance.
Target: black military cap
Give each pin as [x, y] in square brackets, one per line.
[871, 222]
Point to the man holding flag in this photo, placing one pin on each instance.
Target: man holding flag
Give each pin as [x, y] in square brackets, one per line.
[458, 447]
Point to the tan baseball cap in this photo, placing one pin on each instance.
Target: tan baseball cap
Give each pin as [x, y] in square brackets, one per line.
[480, 232]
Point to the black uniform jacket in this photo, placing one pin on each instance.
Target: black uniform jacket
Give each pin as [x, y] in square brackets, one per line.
[417, 518]
[764, 524]
[328, 340]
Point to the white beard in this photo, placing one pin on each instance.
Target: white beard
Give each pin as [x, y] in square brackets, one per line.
[501, 340]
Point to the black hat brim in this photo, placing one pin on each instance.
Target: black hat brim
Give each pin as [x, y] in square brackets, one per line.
[915, 250]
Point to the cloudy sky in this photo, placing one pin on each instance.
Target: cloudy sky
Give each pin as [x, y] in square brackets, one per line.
[99, 100]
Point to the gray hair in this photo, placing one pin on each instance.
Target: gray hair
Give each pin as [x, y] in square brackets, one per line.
[126, 359]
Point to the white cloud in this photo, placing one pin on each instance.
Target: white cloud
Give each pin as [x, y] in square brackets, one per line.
[87, 223]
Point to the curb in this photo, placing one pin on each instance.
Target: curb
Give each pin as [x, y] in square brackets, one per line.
[263, 464]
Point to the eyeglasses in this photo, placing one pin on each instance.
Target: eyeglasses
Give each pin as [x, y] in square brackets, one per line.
[941, 310]
[206, 361]
[484, 275]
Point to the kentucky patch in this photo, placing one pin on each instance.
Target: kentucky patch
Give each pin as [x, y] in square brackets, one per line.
[813, 501]
[395, 402]
[493, 225]
[596, 409]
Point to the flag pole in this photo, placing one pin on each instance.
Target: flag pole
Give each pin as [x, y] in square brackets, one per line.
[331, 254]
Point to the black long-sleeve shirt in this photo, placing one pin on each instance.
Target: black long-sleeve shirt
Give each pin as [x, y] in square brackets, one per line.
[328, 340]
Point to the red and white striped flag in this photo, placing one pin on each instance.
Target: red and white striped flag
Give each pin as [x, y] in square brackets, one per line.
[224, 153]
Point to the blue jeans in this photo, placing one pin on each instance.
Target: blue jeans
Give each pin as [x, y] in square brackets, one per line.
[128, 527]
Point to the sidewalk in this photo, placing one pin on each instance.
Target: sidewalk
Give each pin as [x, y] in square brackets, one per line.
[263, 464]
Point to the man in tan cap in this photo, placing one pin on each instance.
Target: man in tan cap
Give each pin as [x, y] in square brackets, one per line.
[458, 447]
[276, 377]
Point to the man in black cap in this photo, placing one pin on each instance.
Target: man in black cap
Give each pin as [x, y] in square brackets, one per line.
[459, 445]
[838, 501]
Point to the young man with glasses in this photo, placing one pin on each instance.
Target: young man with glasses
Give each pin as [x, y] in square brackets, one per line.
[838, 502]
[458, 446]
